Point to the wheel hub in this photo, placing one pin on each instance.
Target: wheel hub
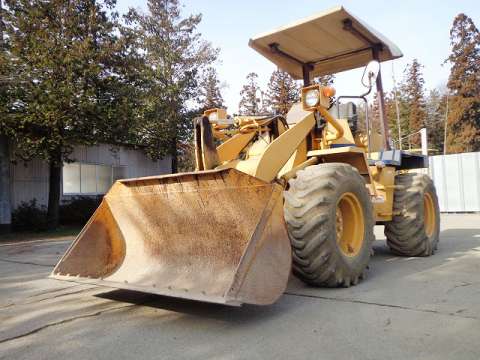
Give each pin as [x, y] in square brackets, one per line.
[349, 224]
[429, 214]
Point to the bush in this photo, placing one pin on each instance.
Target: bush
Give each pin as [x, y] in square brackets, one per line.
[78, 210]
[29, 217]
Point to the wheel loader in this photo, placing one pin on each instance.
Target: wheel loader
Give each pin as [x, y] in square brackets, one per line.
[271, 194]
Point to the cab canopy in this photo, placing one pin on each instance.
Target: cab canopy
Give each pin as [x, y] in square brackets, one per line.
[326, 43]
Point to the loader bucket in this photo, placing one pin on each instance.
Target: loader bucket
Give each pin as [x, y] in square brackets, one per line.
[216, 236]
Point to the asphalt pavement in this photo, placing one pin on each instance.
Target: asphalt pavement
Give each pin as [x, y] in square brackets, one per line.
[406, 308]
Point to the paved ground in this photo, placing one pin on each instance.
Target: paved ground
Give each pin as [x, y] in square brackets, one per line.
[408, 308]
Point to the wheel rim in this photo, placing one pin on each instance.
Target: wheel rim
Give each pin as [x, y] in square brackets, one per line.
[349, 224]
[429, 214]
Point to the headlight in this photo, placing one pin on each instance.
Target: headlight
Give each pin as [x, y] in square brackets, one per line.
[213, 116]
[312, 97]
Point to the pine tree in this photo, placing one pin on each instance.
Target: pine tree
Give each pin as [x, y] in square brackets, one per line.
[404, 114]
[66, 81]
[435, 119]
[175, 55]
[413, 91]
[5, 65]
[249, 103]
[391, 113]
[464, 85]
[282, 92]
[209, 90]
[5, 217]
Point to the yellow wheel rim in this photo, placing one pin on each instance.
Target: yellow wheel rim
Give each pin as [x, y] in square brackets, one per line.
[429, 214]
[349, 224]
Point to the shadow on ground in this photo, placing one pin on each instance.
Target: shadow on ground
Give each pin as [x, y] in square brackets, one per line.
[245, 313]
[454, 243]
[383, 264]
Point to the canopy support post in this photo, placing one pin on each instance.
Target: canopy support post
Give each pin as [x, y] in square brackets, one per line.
[381, 104]
[376, 48]
[306, 68]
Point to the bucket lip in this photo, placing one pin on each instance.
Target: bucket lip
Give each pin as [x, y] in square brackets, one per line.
[174, 293]
[190, 173]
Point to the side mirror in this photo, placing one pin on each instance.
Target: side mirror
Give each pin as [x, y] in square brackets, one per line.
[370, 73]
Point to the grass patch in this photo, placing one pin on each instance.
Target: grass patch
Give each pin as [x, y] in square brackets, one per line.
[62, 231]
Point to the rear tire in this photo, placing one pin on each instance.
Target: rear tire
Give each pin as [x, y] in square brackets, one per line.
[415, 227]
[324, 203]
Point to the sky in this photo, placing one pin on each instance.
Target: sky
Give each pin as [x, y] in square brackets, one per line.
[419, 28]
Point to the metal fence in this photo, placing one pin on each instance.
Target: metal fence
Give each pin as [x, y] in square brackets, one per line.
[457, 179]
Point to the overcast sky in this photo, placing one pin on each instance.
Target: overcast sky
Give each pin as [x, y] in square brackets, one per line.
[419, 28]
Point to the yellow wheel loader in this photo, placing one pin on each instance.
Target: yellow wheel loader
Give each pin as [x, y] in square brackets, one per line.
[270, 193]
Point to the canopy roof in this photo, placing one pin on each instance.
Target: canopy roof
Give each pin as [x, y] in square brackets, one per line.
[325, 43]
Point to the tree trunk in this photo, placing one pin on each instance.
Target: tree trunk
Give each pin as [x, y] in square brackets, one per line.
[174, 155]
[53, 214]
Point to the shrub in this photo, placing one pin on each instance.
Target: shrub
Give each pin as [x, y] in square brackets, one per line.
[78, 210]
[28, 216]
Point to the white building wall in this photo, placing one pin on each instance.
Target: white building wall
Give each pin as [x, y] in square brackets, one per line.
[30, 180]
[457, 180]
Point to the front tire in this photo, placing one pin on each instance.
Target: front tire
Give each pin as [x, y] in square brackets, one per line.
[415, 227]
[329, 218]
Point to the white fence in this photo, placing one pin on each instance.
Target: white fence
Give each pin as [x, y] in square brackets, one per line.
[457, 179]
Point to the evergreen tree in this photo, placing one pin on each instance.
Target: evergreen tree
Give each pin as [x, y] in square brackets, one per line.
[282, 92]
[391, 113]
[5, 217]
[209, 90]
[413, 92]
[403, 112]
[249, 103]
[435, 119]
[65, 81]
[464, 85]
[175, 55]
[5, 70]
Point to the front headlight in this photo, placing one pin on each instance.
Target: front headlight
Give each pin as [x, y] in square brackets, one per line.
[312, 97]
[213, 116]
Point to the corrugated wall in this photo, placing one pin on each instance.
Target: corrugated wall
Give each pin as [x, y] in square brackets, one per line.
[457, 179]
[5, 203]
[30, 180]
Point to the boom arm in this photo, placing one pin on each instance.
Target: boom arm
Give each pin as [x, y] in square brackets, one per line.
[281, 149]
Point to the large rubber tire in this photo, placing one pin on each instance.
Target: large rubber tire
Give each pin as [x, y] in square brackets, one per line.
[310, 213]
[407, 233]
